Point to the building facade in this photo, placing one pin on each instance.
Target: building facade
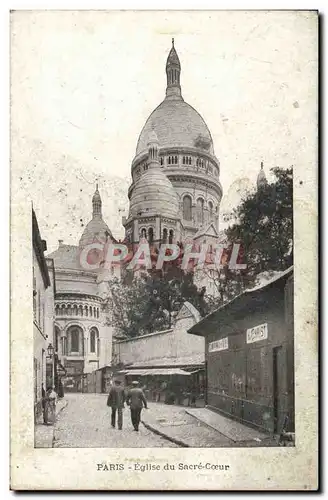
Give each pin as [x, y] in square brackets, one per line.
[43, 315]
[82, 337]
[249, 350]
[171, 356]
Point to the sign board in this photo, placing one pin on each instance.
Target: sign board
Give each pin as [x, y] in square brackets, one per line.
[218, 345]
[257, 333]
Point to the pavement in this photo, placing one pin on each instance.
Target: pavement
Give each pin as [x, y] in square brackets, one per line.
[201, 428]
[44, 434]
[85, 423]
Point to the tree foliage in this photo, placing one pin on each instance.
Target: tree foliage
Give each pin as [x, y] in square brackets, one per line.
[148, 303]
[264, 226]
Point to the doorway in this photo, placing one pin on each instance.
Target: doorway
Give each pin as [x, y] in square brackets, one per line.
[278, 371]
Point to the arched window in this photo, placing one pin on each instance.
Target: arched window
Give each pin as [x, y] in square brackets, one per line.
[57, 310]
[57, 338]
[200, 210]
[86, 310]
[143, 233]
[75, 340]
[162, 160]
[94, 312]
[90, 311]
[169, 160]
[171, 235]
[150, 235]
[164, 235]
[94, 336]
[176, 160]
[97, 313]
[187, 207]
[210, 208]
[80, 311]
[189, 160]
[183, 160]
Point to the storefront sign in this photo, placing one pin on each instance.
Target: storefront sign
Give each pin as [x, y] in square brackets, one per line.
[218, 345]
[257, 333]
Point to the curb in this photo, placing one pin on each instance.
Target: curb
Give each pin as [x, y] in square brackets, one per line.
[53, 435]
[165, 436]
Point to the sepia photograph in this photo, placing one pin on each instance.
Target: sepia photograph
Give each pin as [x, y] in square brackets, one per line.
[159, 161]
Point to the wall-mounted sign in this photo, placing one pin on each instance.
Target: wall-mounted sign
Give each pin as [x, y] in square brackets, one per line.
[218, 345]
[257, 333]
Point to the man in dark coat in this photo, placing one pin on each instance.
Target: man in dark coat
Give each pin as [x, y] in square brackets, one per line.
[115, 400]
[136, 400]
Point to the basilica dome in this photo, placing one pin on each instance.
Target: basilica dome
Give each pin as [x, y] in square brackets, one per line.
[153, 193]
[176, 123]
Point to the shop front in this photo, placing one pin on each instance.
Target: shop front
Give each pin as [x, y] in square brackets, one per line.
[249, 352]
[169, 385]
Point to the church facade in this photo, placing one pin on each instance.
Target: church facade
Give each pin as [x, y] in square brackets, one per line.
[82, 337]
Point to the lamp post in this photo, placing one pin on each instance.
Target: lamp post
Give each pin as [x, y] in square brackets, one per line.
[51, 355]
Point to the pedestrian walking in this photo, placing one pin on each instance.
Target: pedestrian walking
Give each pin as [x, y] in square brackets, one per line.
[115, 400]
[136, 400]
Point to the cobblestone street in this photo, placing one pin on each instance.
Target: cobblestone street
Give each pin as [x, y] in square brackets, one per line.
[85, 423]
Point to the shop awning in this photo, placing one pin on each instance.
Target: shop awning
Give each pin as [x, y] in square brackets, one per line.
[156, 371]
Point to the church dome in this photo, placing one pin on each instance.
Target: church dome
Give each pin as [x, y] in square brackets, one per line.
[153, 193]
[95, 230]
[175, 122]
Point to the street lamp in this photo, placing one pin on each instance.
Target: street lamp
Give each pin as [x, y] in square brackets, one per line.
[51, 355]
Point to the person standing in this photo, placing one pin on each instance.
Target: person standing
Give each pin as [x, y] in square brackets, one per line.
[136, 400]
[115, 400]
[50, 406]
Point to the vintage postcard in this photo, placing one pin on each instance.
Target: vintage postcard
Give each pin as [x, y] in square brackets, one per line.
[163, 241]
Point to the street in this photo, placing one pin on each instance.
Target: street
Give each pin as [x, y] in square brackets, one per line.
[85, 423]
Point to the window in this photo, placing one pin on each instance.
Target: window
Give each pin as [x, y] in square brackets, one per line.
[171, 235]
[210, 208]
[94, 337]
[57, 339]
[162, 160]
[145, 167]
[187, 203]
[143, 233]
[210, 169]
[200, 210]
[150, 235]
[164, 235]
[169, 160]
[75, 340]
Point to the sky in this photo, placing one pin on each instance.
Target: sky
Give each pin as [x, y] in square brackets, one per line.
[83, 84]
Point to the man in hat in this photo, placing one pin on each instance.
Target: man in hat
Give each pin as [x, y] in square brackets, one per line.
[115, 400]
[136, 400]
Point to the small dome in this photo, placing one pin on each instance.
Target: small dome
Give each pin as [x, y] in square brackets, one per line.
[154, 194]
[95, 230]
[176, 123]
